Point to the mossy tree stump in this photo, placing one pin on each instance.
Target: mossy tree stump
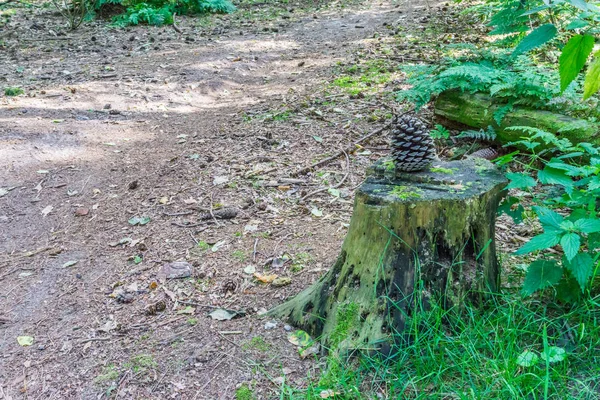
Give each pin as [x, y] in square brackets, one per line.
[413, 238]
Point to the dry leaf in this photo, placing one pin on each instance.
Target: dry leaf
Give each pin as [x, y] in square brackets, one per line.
[47, 210]
[265, 278]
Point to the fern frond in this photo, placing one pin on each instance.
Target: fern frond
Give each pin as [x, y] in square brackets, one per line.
[487, 136]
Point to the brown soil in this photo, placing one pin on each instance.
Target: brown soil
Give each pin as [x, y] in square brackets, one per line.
[193, 119]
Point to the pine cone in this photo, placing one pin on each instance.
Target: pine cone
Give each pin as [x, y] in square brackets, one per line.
[225, 213]
[488, 153]
[412, 147]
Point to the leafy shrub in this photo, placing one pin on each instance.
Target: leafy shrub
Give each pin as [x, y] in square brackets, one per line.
[13, 91]
[160, 12]
[520, 83]
[566, 210]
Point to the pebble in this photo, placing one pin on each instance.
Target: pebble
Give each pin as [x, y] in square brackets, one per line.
[287, 328]
[175, 270]
[270, 325]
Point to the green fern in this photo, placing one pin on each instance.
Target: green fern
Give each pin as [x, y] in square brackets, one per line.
[160, 12]
[508, 81]
[488, 135]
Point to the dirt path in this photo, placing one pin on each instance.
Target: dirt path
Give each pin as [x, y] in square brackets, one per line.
[149, 123]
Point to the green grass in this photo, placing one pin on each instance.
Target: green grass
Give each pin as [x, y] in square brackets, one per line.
[244, 393]
[257, 343]
[474, 354]
[108, 374]
[359, 78]
[141, 362]
[239, 255]
[13, 91]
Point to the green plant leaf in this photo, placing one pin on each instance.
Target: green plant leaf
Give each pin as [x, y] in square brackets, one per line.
[540, 275]
[507, 208]
[548, 217]
[581, 4]
[594, 241]
[568, 290]
[573, 58]
[586, 225]
[540, 242]
[536, 38]
[527, 358]
[519, 180]
[594, 183]
[25, 340]
[554, 354]
[577, 24]
[581, 267]
[592, 79]
[554, 176]
[570, 244]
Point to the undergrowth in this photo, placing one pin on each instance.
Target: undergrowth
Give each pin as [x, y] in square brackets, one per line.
[509, 81]
[492, 352]
[160, 12]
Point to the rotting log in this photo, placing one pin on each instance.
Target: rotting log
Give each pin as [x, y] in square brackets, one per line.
[414, 238]
[477, 111]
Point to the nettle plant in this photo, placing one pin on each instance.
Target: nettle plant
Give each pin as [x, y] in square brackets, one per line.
[576, 21]
[566, 210]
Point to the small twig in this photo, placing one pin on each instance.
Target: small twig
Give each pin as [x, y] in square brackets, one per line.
[193, 238]
[254, 251]
[333, 187]
[191, 303]
[176, 214]
[121, 383]
[184, 225]
[175, 27]
[339, 153]
[212, 213]
[97, 339]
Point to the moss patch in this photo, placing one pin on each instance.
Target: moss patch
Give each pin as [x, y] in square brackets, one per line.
[442, 170]
[404, 192]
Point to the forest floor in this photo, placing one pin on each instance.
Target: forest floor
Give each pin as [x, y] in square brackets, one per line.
[152, 124]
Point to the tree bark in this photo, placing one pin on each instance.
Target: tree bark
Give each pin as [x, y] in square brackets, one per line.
[414, 238]
[477, 111]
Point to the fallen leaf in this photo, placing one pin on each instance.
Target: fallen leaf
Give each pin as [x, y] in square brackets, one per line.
[326, 394]
[122, 241]
[108, 326]
[318, 139]
[300, 338]
[218, 180]
[47, 210]
[80, 212]
[334, 192]
[250, 269]
[250, 228]
[316, 212]
[70, 263]
[309, 351]
[25, 340]
[221, 314]
[188, 310]
[218, 245]
[281, 281]
[139, 220]
[265, 278]
[43, 171]
[163, 200]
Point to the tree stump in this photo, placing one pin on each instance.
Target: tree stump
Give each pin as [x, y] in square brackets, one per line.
[414, 238]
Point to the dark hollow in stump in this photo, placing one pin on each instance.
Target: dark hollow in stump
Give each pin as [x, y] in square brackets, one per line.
[413, 238]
